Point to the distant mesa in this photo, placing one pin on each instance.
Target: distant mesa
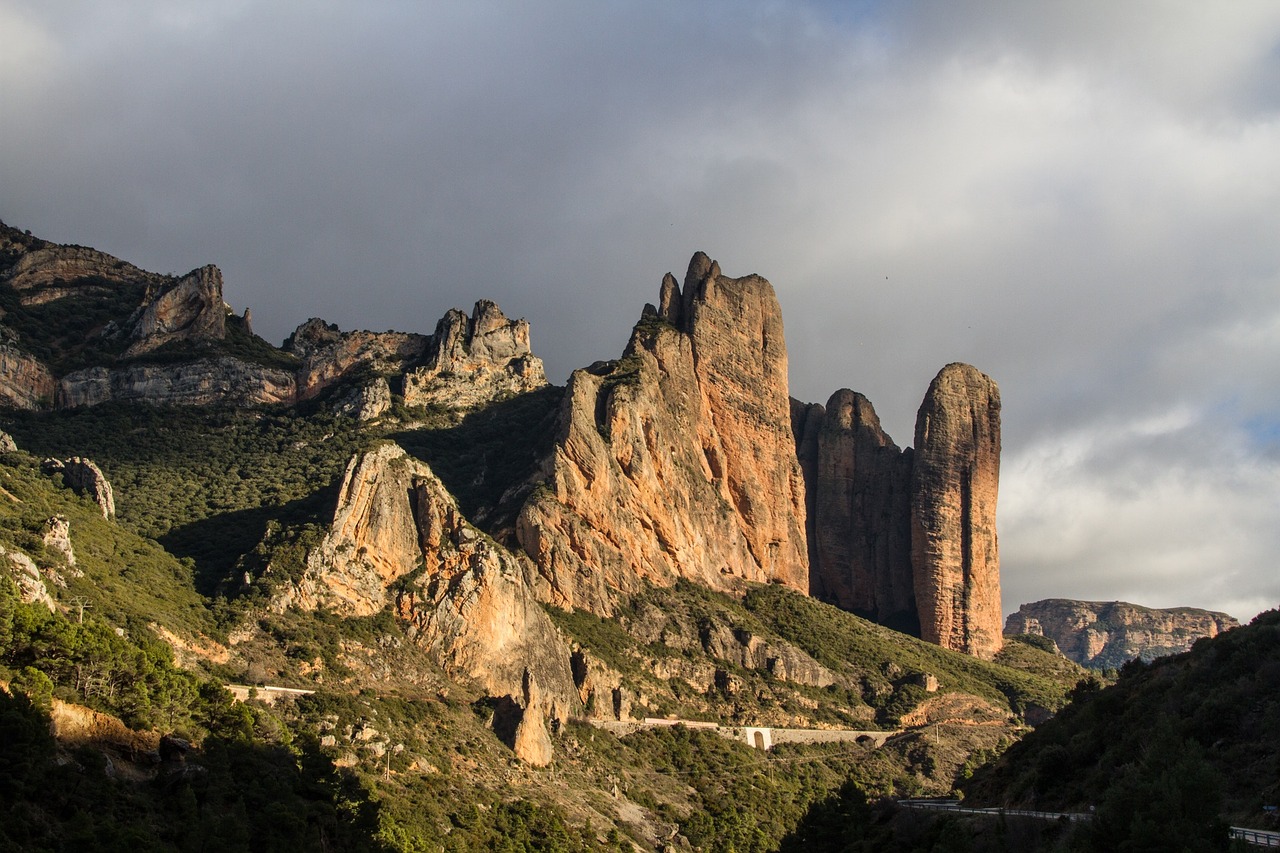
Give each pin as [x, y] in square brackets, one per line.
[1106, 635]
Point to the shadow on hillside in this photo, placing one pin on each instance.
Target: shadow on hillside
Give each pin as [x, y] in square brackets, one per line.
[215, 544]
[491, 450]
[232, 795]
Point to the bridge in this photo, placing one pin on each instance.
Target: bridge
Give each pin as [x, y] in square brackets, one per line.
[760, 737]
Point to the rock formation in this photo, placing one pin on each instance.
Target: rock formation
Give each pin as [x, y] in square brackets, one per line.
[955, 481]
[25, 383]
[189, 309]
[201, 382]
[329, 355]
[676, 461]
[907, 538]
[1104, 635]
[26, 575]
[398, 538]
[861, 539]
[472, 361]
[57, 537]
[85, 478]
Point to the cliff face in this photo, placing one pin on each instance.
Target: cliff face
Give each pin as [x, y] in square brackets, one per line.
[473, 360]
[398, 538]
[907, 538]
[861, 541]
[955, 481]
[128, 315]
[1103, 635]
[676, 461]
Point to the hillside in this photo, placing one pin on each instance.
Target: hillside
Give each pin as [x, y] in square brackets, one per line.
[552, 618]
[1208, 719]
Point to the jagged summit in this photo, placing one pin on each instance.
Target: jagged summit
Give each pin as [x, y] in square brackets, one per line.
[138, 336]
[683, 459]
[677, 460]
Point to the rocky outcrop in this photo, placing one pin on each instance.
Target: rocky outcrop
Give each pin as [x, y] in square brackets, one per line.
[189, 309]
[366, 402]
[861, 541]
[26, 575]
[907, 538]
[676, 461]
[1103, 635]
[471, 361]
[84, 478]
[955, 481]
[202, 382]
[25, 382]
[44, 272]
[7, 444]
[329, 355]
[532, 742]
[57, 537]
[398, 538]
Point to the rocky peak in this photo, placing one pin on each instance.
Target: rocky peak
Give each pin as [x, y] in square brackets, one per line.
[862, 536]
[955, 481]
[677, 460]
[84, 478]
[1109, 634]
[398, 538]
[470, 361]
[189, 309]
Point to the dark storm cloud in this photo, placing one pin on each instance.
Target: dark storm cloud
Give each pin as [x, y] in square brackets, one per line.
[1077, 198]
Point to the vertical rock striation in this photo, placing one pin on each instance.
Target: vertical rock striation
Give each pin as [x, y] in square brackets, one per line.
[907, 538]
[862, 506]
[398, 538]
[955, 480]
[676, 461]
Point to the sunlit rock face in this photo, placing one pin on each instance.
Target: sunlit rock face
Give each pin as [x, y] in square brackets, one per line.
[472, 360]
[676, 461]
[398, 538]
[955, 481]
[1103, 634]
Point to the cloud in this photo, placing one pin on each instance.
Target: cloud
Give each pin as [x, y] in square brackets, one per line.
[1079, 199]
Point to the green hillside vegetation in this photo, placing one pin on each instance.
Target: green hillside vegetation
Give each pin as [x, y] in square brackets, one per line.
[1198, 728]
[390, 753]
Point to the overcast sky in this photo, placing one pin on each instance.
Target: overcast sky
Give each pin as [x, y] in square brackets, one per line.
[1079, 198]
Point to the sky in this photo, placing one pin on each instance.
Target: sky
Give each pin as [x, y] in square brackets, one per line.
[1079, 198]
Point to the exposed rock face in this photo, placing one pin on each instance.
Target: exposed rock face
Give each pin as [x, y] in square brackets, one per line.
[676, 461]
[328, 354]
[57, 536]
[472, 361]
[7, 444]
[25, 573]
[25, 383]
[861, 540]
[85, 478]
[955, 479]
[463, 596]
[203, 382]
[190, 309]
[1109, 634]
[44, 272]
[532, 740]
[367, 402]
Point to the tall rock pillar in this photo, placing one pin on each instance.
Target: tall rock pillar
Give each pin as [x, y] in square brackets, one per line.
[955, 559]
